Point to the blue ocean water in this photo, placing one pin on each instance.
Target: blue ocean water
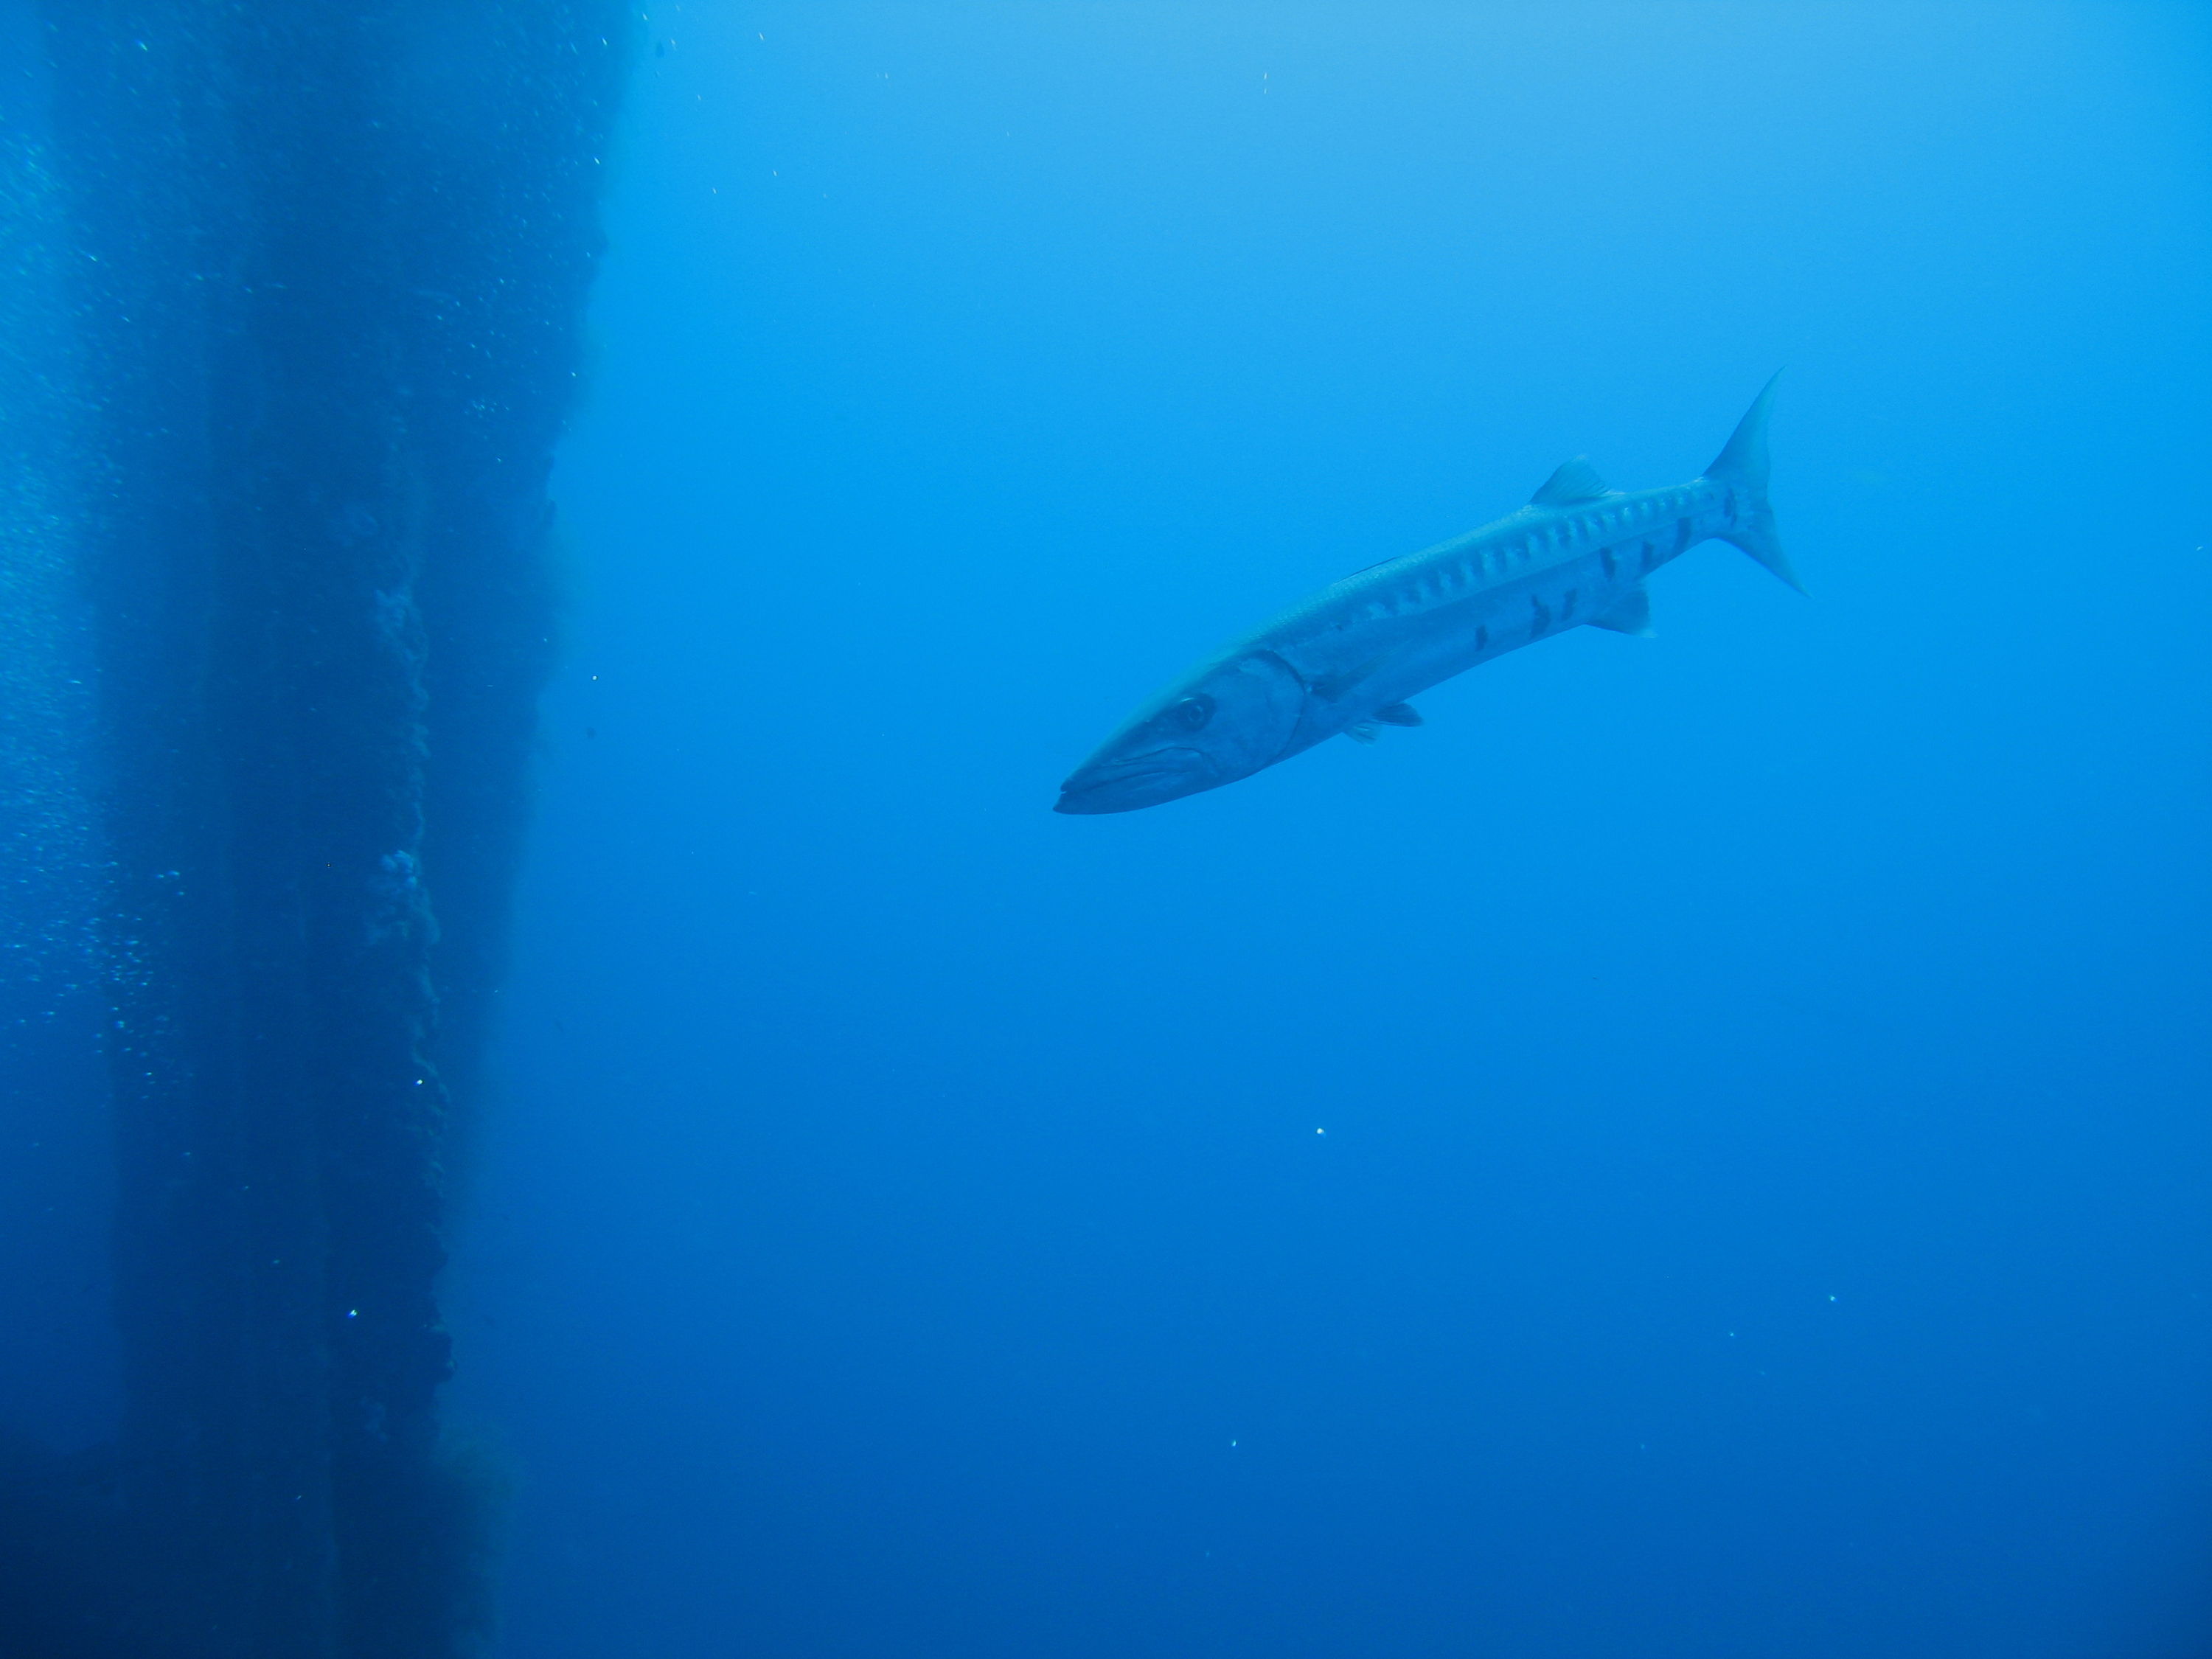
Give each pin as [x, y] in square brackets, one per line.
[1699, 1150]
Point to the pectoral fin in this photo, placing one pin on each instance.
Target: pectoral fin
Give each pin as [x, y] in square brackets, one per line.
[1630, 614]
[1332, 687]
[1399, 714]
[1363, 731]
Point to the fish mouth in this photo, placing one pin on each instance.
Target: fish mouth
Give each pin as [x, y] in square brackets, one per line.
[1125, 786]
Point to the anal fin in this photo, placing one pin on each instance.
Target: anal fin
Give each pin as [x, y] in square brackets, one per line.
[1629, 614]
[1399, 714]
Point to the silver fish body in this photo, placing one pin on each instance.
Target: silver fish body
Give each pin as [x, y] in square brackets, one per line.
[1347, 659]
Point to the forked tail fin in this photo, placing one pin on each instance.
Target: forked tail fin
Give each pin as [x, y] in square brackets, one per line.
[1741, 464]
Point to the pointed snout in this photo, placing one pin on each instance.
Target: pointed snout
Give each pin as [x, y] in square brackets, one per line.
[1124, 786]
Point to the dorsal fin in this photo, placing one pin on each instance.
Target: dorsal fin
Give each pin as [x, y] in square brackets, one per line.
[1577, 481]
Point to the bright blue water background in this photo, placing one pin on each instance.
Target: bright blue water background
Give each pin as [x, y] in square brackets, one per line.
[1764, 1070]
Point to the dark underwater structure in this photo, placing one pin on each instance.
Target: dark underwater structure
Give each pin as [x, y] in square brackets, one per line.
[327, 265]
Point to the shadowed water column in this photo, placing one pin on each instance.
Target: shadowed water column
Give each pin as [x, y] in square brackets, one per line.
[332, 261]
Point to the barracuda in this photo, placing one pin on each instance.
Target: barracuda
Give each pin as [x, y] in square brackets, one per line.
[1348, 659]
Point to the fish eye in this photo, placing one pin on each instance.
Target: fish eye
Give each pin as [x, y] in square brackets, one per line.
[1192, 713]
